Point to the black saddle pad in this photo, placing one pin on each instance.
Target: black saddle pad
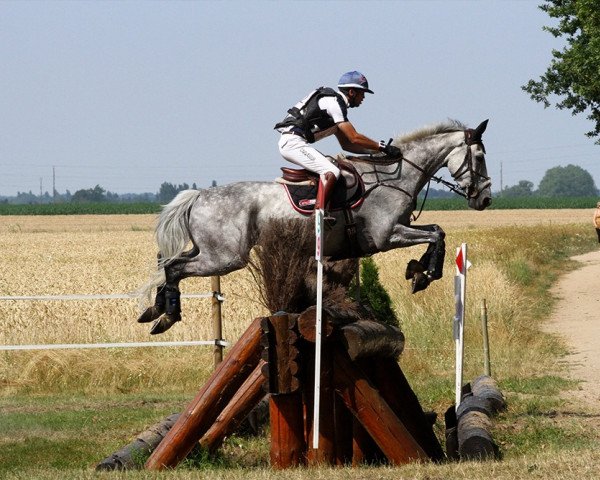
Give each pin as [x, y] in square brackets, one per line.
[303, 197]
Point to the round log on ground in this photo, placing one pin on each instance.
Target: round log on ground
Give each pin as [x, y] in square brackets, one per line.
[131, 456]
[471, 403]
[474, 438]
[486, 387]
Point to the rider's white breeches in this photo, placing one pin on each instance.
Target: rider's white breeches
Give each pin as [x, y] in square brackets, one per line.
[295, 149]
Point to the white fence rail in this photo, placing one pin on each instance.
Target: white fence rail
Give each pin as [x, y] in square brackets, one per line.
[217, 299]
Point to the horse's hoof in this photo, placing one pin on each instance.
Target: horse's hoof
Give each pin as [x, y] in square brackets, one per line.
[414, 267]
[151, 313]
[164, 323]
[420, 282]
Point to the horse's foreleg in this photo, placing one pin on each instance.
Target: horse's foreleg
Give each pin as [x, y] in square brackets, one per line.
[430, 266]
[433, 258]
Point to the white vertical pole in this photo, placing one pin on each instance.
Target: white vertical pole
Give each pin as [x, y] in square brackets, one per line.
[460, 284]
[319, 224]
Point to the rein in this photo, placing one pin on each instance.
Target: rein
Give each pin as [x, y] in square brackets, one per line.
[471, 138]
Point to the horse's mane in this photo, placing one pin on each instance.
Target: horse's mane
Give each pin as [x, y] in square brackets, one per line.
[448, 126]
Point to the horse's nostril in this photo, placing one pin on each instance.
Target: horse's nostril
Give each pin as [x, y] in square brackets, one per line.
[487, 201]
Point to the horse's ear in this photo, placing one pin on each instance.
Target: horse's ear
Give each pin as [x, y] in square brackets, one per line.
[481, 128]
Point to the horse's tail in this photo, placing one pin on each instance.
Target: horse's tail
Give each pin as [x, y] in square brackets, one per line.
[172, 231]
[172, 236]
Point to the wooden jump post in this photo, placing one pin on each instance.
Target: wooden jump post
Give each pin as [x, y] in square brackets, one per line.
[368, 410]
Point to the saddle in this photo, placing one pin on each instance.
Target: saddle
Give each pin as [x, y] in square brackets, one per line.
[301, 187]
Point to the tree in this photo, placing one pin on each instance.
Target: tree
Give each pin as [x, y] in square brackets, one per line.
[569, 181]
[573, 74]
[168, 191]
[96, 194]
[523, 189]
[373, 293]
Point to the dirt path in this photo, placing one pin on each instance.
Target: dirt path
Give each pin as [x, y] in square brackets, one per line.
[577, 319]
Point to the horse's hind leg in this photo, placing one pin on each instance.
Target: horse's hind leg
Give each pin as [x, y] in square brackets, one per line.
[159, 307]
[172, 308]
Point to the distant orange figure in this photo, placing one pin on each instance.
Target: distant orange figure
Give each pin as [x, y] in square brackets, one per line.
[597, 220]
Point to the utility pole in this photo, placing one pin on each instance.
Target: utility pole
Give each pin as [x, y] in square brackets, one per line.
[41, 193]
[501, 184]
[53, 185]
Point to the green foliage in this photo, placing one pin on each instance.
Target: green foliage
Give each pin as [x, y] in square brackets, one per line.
[168, 191]
[96, 194]
[523, 189]
[573, 72]
[569, 181]
[546, 385]
[91, 208]
[500, 202]
[374, 294]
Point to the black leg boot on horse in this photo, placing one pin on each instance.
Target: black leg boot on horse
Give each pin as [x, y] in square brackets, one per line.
[156, 310]
[172, 313]
[326, 186]
[428, 268]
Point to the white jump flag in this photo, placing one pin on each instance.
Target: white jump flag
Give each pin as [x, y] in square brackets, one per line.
[319, 225]
[460, 284]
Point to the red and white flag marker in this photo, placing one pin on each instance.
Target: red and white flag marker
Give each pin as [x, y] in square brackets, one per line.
[460, 286]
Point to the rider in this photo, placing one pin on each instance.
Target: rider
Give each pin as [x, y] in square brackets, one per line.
[321, 113]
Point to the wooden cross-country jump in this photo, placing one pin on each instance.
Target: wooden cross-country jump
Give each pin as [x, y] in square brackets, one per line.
[368, 412]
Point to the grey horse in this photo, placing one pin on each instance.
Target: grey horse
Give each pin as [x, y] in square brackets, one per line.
[224, 223]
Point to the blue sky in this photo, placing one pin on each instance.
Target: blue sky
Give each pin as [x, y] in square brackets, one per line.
[131, 94]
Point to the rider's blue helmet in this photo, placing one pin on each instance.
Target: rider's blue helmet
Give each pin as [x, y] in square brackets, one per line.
[354, 80]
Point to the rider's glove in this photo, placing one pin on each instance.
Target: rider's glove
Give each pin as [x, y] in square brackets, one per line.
[389, 149]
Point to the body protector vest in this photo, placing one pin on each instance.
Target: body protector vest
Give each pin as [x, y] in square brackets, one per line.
[309, 118]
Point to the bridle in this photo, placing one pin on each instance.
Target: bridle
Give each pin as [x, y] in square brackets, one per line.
[471, 190]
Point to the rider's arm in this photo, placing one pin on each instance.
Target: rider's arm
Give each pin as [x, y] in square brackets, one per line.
[352, 141]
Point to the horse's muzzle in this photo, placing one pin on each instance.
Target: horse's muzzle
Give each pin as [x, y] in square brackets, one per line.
[481, 202]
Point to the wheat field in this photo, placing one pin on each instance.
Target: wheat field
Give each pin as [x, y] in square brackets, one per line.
[60, 255]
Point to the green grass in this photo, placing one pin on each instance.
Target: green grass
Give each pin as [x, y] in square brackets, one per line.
[103, 208]
[505, 203]
[106, 208]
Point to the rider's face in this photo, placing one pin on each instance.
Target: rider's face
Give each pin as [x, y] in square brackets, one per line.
[355, 97]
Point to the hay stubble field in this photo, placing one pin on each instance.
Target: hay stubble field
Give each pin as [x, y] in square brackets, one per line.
[115, 254]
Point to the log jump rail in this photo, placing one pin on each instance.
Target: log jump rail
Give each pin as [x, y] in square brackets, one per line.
[368, 410]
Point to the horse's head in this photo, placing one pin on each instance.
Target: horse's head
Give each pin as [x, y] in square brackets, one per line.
[466, 164]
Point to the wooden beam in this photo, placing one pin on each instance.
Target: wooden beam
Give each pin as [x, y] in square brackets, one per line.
[374, 413]
[288, 445]
[367, 338]
[388, 378]
[210, 401]
[246, 398]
